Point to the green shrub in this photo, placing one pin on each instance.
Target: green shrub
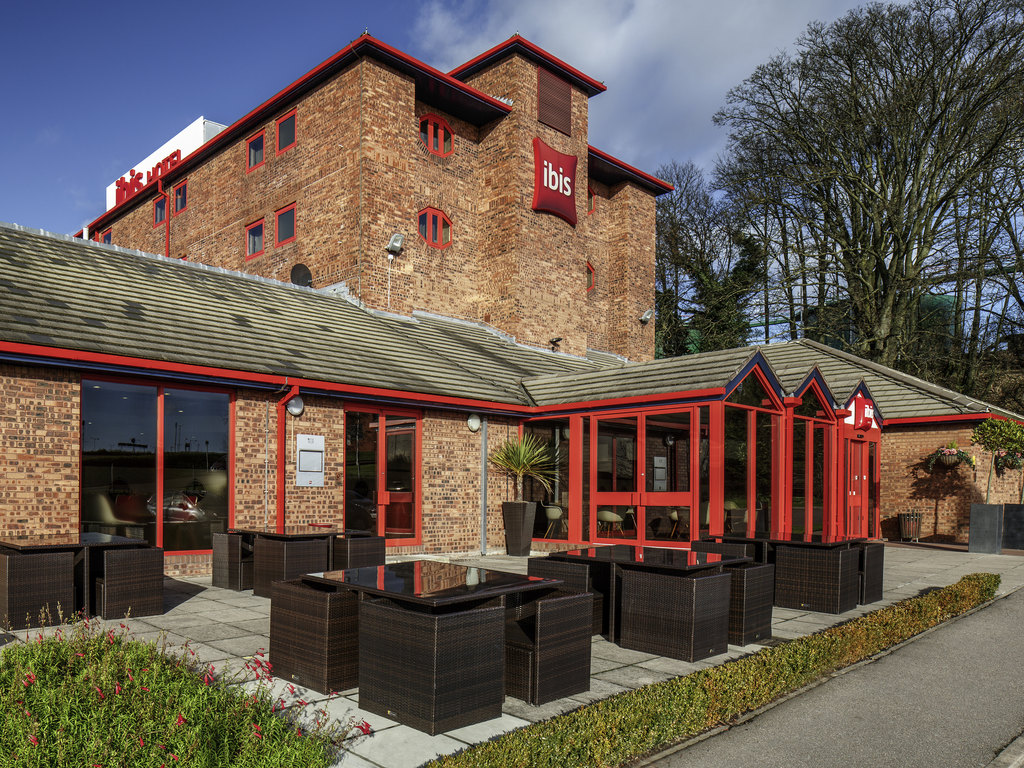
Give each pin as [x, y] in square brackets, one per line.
[91, 696]
[631, 724]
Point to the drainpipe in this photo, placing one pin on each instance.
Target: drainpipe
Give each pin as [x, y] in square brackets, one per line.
[167, 216]
[483, 486]
[282, 424]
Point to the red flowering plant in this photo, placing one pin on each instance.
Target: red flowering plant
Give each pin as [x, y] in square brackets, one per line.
[93, 691]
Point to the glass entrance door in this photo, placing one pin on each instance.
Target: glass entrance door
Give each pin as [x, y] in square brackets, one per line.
[643, 478]
[856, 488]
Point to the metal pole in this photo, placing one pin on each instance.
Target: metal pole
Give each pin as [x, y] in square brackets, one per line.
[483, 486]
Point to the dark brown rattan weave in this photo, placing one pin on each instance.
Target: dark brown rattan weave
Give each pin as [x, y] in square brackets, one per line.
[824, 580]
[750, 603]
[283, 559]
[872, 563]
[132, 582]
[232, 561]
[33, 586]
[547, 655]
[432, 672]
[314, 633]
[676, 616]
[724, 548]
[357, 552]
[577, 577]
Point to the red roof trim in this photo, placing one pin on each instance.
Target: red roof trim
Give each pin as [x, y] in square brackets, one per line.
[507, 48]
[363, 45]
[653, 181]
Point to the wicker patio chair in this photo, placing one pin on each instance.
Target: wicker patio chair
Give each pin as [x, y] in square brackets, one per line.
[232, 561]
[283, 559]
[547, 654]
[33, 586]
[682, 617]
[314, 633]
[132, 583]
[577, 577]
[751, 595]
[432, 672]
[871, 565]
[357, 552]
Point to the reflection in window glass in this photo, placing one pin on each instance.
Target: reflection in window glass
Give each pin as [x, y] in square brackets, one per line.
[704, 489]
[400, 512]
[118, 459]
[735, 471]
[195, 503]
[799, 477]
[668, 452]
[765, 471]
[586, 479]
[552, 518]
[616, 455]
[361, 471]
[818, 481]
[751, 392]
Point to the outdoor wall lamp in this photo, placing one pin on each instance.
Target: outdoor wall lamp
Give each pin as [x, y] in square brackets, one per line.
[473, 422]
[295, 406]
[554, 343]
[645, 318]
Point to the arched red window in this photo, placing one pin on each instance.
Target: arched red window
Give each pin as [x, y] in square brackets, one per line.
[436, 135]
[435, 228]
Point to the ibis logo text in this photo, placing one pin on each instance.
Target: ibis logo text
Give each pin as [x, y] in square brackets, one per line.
[554, 182]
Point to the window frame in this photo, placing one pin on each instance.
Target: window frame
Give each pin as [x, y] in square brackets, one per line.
[180, 186]
[592, 273]
[434, 214]
[106, 236]
[248, 151]
[591, 200]
[156, 203]
[261, 223]
[435, 122]
[277, 225]
[293, 115]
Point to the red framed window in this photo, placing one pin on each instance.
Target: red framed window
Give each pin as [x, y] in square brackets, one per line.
[254, 240]
[286, 134]
[180, 197]
[159, 211]
[435, 228]
[436, 135]
[591, 200]
[106, 236]
[591, 277]
[254, 152]
[284, 225]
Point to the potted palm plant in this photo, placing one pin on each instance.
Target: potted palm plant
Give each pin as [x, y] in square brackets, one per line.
[519, 458]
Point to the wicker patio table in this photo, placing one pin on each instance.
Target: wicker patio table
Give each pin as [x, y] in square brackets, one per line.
[625, 627]
[431, 639]
[87, 571]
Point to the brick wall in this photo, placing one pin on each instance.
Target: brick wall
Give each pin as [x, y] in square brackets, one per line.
[360, 173]
[943, 496]
[40, 419]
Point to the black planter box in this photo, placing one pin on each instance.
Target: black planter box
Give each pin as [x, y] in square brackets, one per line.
[986, 534]
[518, 517]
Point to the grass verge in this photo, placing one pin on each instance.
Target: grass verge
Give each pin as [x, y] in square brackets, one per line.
[91, 696]
[627, 726]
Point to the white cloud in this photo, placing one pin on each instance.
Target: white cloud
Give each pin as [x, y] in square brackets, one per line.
[667, 65]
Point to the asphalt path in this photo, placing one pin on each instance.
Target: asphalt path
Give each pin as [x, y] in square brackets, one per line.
[952, 697]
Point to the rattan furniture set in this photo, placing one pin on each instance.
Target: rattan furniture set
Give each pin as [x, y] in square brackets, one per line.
[47, 578]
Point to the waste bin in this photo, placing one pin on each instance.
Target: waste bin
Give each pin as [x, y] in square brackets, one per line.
[910, 525]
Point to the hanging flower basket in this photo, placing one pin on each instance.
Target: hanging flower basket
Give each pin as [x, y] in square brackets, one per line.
[949, 456]
[1008, 460]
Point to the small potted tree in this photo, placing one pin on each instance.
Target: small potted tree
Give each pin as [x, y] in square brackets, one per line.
[522, 457]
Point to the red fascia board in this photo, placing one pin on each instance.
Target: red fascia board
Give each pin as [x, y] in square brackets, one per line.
[521, 44]
[629, 170]
[365, 45]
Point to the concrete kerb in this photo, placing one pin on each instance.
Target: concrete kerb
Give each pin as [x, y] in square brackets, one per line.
[1014, 751]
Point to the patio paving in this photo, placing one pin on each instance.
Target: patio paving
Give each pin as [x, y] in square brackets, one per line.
[225, 628]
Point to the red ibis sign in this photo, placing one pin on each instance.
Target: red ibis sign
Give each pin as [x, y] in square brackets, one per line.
[554, 182]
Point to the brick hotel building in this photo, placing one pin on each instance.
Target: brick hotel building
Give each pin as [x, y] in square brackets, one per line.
[334, 308]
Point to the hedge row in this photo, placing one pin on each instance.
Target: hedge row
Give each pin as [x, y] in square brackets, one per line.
[626, 726]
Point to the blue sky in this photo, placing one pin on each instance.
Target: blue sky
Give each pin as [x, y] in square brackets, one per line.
[92, 88]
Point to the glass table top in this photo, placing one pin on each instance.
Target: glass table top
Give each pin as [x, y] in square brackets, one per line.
[661, 557]
[69, 541]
